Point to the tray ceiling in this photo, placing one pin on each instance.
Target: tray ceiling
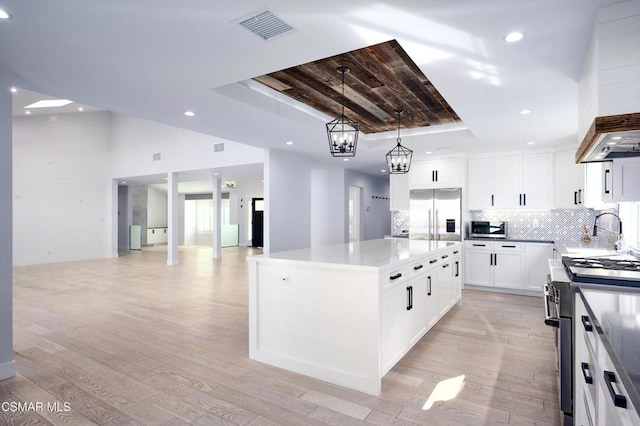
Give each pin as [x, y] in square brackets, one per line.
[382, 78]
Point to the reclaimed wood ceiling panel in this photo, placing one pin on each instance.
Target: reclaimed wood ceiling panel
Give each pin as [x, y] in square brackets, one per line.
[381, 79]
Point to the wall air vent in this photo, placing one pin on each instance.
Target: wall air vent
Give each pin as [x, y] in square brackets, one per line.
[265, 25]
[157, 156]
[218, 147]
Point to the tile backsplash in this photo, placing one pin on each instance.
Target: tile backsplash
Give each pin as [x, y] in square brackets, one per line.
[563, 225]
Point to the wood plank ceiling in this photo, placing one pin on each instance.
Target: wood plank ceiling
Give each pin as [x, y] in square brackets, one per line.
[381, 79]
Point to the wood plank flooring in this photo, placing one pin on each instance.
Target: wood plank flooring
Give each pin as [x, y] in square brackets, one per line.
[132, 341]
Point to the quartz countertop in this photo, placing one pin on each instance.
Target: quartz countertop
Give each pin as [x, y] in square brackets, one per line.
[616, 314]
[369, 253]
[512, 240]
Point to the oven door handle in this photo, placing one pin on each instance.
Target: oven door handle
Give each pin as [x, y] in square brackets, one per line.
[548, 319]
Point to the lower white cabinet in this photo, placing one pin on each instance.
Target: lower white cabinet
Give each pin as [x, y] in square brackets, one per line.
[157, 235]
[507, 265]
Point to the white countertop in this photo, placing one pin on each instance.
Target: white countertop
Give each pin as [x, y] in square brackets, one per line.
[370, 253]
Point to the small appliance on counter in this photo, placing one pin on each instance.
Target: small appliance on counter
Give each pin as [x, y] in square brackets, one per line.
[488, 229]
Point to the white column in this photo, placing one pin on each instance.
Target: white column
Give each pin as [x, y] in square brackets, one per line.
[113, 218]
[7, 365]
[216, 231]
[172, 218]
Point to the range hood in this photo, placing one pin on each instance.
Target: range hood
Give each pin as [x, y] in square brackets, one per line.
[613, 136]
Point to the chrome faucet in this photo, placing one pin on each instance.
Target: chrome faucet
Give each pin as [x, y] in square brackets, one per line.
[595, 223]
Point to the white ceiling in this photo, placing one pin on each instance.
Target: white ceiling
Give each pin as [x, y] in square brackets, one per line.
[155, 59]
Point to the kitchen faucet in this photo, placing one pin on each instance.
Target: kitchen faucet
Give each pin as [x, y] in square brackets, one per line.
[595, 223]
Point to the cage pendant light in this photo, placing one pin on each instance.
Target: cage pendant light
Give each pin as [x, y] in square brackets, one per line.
[342, 131]
[399, 158]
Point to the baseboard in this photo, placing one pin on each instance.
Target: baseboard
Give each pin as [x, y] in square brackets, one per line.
[504, 290]
[7, 370]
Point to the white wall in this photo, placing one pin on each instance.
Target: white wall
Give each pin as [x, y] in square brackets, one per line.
[328, 219]
[375, 215]
[156, 208]
[62, 190]
[287, 196]
[134, 141]
[7, 366]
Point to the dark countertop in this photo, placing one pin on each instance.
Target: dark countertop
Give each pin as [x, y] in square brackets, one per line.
[616, 315]
[512, 240]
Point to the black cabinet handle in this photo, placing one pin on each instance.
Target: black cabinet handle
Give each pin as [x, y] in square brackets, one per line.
[491, 200]
[524, 199]
[153, 231]
[618, 400]
[579, 196]
[509, 246]
[575, 197]
[491, 259]
[457, 269]
[446, 265]
[606, 172]
[456, 252]
[587, 377]
[479, 245]
[416, 268]
[436, 175]
[433, 175]
[395, 277]
[495, 259]
[410, 298]
[429, 291]
[431, 262]
[586, 322]
[444, 256]
[520, 202]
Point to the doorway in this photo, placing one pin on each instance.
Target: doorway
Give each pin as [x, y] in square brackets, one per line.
[354, 213]
[257, 220]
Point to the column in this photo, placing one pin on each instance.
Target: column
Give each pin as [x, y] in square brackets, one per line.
[113, 252]
[216, 232]
[172, 218]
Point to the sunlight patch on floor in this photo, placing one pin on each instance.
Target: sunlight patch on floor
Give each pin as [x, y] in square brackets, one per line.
[445, 390]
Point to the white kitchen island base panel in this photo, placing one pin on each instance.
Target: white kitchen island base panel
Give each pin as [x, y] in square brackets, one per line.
[331, 320]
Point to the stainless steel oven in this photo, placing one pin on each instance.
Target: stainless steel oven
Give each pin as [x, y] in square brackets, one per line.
[559, 310]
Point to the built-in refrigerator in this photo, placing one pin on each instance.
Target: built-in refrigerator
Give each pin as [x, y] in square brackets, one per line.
[435, 214]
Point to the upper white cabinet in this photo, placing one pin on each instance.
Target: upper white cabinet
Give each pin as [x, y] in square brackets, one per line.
[598, 185]
[440, 173]
[399, 192]
[569, 182]
[521, 181]
[626, 179]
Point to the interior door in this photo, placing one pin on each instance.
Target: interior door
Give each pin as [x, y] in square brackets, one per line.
[257, 222]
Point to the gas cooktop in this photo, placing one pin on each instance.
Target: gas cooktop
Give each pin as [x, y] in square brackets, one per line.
[596, 269]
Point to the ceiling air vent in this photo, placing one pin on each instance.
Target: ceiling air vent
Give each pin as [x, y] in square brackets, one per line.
[265, 25]
[218, 147]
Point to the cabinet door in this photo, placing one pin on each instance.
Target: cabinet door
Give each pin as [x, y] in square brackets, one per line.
[443, 288]
[568, 180]
[536, 256]
[393, 325]
[422, 174]
[507, 182]
[480, 183]
[478, 264]
[606, 194]
[626, 183]
[537, 181]
[432, 306]
[448, 173]
[418, 308]
[456, 281]
[399, 192]
[508, 267]
[598, 190]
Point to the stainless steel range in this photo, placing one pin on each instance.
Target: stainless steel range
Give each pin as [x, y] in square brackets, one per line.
[619, 270]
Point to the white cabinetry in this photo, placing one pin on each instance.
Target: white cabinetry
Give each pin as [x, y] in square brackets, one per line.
[569, 182]
[521, 181]
[157, 236]
[478, 258]
[536, 256]
[626, 179]
[440, 173]
[399, 192]
[508, 265]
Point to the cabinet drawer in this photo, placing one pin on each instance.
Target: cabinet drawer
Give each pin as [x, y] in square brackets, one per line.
[396, 275]
[508, 246]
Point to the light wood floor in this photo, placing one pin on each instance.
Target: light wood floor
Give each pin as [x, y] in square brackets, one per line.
[131, 341]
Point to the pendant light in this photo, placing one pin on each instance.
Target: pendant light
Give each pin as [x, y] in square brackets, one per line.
[342, 132]
[399, 158]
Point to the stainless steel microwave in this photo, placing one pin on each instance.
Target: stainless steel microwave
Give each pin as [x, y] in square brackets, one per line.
[487, 229]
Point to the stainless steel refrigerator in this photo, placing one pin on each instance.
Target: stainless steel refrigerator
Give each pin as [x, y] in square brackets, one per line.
[435, 214]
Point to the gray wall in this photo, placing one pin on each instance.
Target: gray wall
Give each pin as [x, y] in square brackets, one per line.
[7, 368]
[375, 215]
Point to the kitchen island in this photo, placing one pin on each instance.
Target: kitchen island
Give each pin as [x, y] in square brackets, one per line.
[347, 313]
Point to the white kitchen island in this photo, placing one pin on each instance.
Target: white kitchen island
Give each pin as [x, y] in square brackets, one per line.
[347, 313]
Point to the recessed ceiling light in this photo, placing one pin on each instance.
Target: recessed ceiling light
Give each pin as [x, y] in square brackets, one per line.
[123, 182]
[27, 112]
[616, 138]
[530, 143]
[50, 103]
[513, 37]
[612, 143]
[383, 171]
[80, 109]
[14, 90]
[345, 159]
[429, 152]
[216, 174]
[189, 113]
[4, 15]
[525, 111]
[289, 143]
